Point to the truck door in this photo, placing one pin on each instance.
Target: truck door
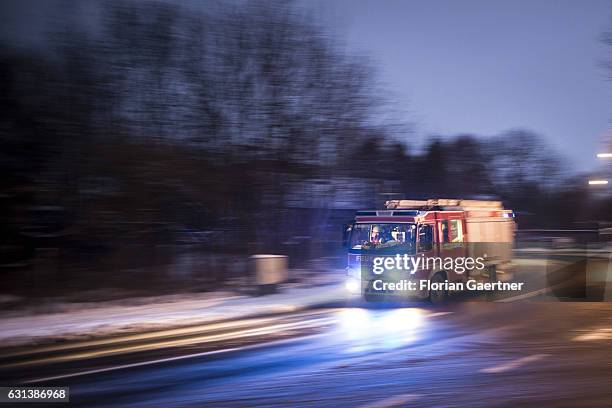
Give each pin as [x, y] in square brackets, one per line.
[425, 247]
[452, 241]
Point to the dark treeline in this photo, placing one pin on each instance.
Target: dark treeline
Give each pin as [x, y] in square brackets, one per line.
[239, 129]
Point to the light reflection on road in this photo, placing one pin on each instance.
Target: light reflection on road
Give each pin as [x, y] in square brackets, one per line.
[369, 330]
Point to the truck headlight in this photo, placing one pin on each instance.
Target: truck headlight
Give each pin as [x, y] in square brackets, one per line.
[352, 285]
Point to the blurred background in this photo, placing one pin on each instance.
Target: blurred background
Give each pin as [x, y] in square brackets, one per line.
[150, 147]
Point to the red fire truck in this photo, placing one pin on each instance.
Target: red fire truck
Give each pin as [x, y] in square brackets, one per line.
[438, 229]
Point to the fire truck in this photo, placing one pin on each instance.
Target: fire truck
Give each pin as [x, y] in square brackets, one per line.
[444, 229]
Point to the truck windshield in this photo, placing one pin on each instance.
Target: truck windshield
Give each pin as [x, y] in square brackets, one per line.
[383, 236]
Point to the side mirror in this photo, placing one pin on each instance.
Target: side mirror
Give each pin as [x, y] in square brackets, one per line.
[425, 238]
[346, 234]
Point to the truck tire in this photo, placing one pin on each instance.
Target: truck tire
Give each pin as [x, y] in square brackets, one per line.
[437, 297]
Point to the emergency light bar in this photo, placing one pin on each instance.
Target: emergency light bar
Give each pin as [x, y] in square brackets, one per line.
[386, 213]
[444, 204]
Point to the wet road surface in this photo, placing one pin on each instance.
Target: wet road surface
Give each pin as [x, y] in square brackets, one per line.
[469, 354]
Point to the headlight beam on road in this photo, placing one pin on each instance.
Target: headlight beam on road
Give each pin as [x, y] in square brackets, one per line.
[598, 182]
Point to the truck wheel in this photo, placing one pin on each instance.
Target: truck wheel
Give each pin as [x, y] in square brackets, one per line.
[437, 297]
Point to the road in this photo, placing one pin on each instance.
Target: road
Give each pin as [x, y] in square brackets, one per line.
[471, 354]
[463, 354]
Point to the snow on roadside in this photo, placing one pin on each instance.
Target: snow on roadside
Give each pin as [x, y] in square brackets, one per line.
[77, 321]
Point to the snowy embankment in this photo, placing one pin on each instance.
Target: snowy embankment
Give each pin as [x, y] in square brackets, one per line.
[87, 320]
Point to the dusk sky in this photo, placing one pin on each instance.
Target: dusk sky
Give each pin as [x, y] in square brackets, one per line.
[483, 67]
[477, 66]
